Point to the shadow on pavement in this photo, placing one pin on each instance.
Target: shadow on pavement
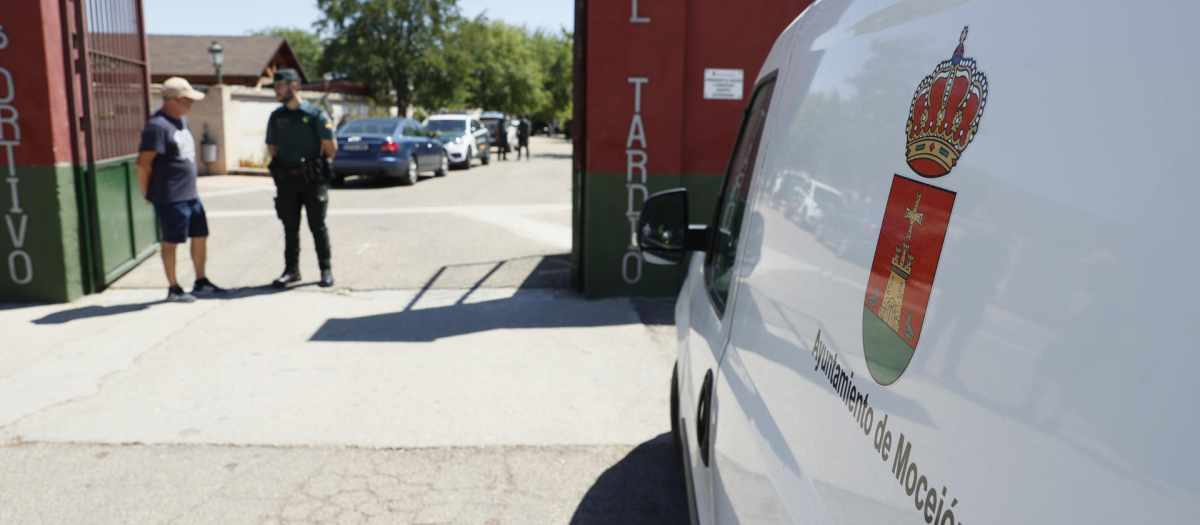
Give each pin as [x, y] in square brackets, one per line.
[645, 487]
[523, 310]
[86, 312]
[657, 311]
[553, 155]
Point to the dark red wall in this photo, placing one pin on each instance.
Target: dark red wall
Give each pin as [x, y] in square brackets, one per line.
[34, 57]
[617, 50]
[685, 133]
[726, 35]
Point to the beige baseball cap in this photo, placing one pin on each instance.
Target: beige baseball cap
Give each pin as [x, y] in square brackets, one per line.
[178, 87]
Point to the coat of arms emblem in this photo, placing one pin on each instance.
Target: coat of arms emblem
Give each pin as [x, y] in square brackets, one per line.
[901, 279]
[942, 122]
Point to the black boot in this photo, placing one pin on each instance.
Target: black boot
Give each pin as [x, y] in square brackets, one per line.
[289, 276]
[326, 278]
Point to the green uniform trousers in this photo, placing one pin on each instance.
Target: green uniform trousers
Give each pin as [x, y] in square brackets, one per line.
[289, 198]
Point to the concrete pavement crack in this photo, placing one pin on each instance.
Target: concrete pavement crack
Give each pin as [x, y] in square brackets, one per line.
[103, 381]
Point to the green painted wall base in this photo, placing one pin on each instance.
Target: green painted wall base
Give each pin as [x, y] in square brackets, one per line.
[124, 227]
[39, 245]
[605, 267]
[69, 233]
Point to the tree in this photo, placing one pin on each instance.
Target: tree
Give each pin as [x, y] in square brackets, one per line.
[556, 55]
[397, 47]
[512, 69]
[306, 44]
[502, 67]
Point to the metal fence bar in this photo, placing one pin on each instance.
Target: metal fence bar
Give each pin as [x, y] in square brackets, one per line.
[118, 71]
[143, 48]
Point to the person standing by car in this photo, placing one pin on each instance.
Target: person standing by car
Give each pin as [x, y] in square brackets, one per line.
[300, 141]
[523, 138]
[502, 137]
[166, 171]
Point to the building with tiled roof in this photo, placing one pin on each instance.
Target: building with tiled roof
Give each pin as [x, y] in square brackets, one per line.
[248, 59]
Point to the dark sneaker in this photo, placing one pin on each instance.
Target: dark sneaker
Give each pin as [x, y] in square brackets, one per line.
[175, 294]
[326, 279]
[204, 286]
[288, 277]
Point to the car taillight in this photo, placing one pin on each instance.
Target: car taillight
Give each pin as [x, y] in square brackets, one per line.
[389, 147]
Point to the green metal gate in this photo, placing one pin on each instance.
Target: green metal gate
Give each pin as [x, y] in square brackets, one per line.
[110, 93]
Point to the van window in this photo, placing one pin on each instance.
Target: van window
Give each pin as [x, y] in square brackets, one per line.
[728, 226]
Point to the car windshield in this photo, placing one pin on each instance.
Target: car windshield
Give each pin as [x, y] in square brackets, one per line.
[447, 126]
[368, 128]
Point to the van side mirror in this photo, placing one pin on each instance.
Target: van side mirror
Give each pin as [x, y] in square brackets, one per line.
[663, 233]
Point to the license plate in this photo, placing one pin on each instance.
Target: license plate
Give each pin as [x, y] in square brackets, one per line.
[355, 147]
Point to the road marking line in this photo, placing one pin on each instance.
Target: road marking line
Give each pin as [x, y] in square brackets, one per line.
[223, 193]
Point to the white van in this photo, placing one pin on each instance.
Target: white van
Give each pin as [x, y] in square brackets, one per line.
[1019, 343]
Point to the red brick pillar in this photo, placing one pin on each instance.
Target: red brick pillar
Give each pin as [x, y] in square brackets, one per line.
[39, 238]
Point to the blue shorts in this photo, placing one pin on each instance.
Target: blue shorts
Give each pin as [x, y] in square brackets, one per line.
[181, 220]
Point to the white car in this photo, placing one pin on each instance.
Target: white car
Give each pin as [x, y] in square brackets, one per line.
[510, 130]
[1020, 344]
[463, 136]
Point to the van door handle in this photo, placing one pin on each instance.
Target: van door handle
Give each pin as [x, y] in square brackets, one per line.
[703, 417]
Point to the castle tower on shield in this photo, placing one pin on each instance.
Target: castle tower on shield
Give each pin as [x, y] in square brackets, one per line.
[902, 262]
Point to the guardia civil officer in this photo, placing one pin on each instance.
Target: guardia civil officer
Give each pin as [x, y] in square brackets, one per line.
[300, 140]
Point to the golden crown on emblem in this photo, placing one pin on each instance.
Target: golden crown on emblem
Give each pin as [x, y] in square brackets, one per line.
[945, 113]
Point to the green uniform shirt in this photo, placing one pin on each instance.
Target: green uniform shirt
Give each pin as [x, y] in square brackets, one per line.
[297, 134]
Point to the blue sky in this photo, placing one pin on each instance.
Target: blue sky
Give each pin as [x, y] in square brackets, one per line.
[237, 17]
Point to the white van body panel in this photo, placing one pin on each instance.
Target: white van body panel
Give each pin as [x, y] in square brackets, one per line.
[1053, 381]
[703, 336]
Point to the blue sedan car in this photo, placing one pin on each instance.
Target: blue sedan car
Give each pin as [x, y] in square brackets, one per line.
[389, 147]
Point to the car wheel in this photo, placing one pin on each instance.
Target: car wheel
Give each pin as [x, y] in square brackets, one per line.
[444, 167]
[410, 175]
[487, 156]
[466, 165]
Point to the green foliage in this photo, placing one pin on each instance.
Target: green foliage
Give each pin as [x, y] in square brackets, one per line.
[555, 54]
[501, 65]
[306, 44]
[424, 53]
[397, 47]
[514, 70]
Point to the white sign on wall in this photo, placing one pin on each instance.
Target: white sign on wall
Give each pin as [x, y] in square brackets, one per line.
[723, 84]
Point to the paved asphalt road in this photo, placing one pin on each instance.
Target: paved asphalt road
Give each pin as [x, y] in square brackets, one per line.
[449, 377]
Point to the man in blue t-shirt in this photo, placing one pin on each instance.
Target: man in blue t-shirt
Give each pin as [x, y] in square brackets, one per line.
[166, 170]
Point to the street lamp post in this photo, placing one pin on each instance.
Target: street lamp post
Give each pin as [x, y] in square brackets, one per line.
[218, 58]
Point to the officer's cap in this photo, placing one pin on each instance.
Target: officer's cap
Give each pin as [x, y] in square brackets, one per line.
[287, 75]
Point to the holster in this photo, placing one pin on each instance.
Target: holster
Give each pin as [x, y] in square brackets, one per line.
[275, 170]
[319, 170]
